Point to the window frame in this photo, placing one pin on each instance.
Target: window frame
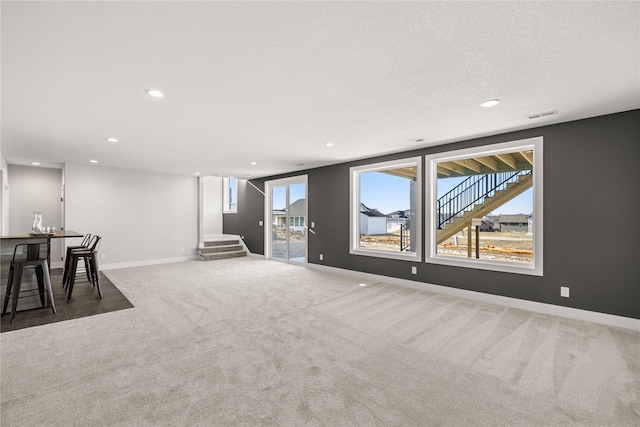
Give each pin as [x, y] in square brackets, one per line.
[226, 189]
[431, 257]
[354, 209]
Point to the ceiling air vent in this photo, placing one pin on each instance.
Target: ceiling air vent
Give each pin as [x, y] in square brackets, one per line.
[546, 113]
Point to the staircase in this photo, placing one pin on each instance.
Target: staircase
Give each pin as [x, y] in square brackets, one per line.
[476, 197]
[222, 249]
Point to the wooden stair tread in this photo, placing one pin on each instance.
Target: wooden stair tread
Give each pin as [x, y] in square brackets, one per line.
[222, 249]
[217, 249]
[221, 242]
[223, 255]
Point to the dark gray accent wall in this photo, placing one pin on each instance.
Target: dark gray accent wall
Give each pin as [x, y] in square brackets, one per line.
[591, 219]
[246, 221]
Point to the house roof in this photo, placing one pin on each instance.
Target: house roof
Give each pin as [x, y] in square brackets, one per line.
[399, 214]
[297, 208]
[371, 212]
[521, 218]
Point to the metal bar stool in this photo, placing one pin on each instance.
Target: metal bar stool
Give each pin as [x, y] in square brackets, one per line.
[70, 270]
[90, 258]
[32, 255]
[86, 241]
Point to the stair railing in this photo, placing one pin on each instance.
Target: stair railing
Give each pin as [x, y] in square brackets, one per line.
[472, 191]
[405, 236]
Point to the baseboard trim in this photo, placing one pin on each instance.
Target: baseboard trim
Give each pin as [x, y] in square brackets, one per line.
[143, 263]
[536, 307]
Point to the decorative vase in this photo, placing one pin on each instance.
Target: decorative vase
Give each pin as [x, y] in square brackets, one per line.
[37, 223]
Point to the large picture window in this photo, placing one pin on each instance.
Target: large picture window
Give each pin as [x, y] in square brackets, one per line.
[385, 209]
[485, 207]
[229, 195]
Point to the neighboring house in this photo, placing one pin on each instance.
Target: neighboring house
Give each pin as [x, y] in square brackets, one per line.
[397, 219]
[519, 222]
[487, 225]
[490, 223]
[297, 215]
[372, 221]
[279, 218]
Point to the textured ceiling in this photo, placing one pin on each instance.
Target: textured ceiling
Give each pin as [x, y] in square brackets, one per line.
[272, 82]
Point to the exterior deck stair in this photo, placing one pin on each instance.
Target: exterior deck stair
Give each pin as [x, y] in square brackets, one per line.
[489, 205]
[222, 249]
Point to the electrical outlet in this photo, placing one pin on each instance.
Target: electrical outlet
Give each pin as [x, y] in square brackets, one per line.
[103, 256]
[313, 224]
[260, 223]
[181, 250]
[564, 291]
[414, 270]
[321, 257]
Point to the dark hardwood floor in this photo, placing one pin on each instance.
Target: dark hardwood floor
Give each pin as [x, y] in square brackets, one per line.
[84, 302]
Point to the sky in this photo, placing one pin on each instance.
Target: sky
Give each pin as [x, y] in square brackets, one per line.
[296, 192]
[384, 192]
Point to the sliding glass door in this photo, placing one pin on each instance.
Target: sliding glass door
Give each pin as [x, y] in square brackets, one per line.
[286, 219]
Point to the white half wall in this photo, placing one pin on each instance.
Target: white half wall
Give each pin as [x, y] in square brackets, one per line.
[143, 217]
[4, 197]
[211, 206]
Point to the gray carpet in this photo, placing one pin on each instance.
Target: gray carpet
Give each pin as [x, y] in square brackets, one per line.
[254, 342]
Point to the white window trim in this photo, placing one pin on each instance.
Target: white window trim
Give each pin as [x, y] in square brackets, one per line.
[225, 196]
[535, 268]
[268, 213]
[354, 207]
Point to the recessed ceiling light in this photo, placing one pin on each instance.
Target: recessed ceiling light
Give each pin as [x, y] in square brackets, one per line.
[490, 103]
[197, 173]
[35, 163]
[253, 163]
[155, 93]
[93, 161]
[328, 144]
[112, 139]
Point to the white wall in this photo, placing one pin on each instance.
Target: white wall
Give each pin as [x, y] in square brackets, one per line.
[143, 217]
[35, 189]
[4, 197]
[372, 225]
[211, 206]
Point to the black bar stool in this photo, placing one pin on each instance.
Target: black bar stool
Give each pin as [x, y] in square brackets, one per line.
[90, 258]
[69, 270]
[86, 241]
[33, 255]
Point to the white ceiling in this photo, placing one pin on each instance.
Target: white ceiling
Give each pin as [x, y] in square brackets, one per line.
[272, 82]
